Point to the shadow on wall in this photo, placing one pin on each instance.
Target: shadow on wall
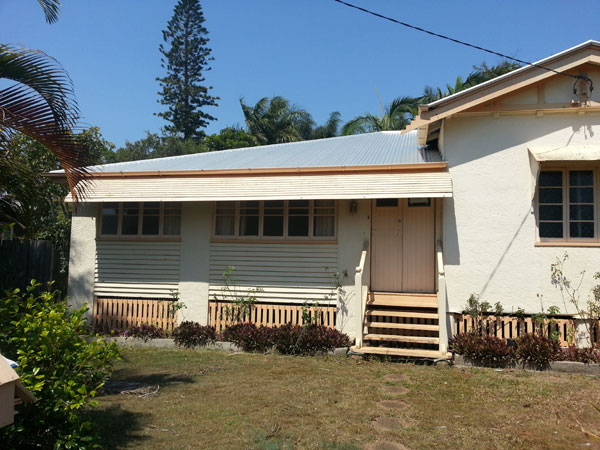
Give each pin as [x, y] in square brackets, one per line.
[451, 248]
[504, 253]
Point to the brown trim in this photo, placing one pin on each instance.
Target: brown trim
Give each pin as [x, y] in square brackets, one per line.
[566, 244]
[332, 170]
[271, 241]
[138, 239]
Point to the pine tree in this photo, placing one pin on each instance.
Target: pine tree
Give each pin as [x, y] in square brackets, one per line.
[186, 58]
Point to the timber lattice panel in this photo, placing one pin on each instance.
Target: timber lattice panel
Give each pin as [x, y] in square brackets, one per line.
[123, 313]
[224, 314]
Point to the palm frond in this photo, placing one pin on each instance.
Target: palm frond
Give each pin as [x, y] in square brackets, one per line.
[40, 105]
[51, 9]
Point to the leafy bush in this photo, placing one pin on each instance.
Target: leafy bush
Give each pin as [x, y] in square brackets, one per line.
[287, 339]
[488, 351]
[145, 332]
[192, 334]
[536, 351]
[308, 340]
[583, 355]
[249, 337]
[58, 365]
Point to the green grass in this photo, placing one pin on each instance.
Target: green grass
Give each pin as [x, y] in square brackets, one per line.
[218, 400]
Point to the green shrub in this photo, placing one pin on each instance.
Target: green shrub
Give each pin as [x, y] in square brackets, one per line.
[58, 365]
[287, 339]
[488, 351]
[536, 351]
[308, 340]
[249, 337]
[145, 332]
[192, 334]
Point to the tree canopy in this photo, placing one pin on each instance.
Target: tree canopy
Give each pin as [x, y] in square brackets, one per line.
[186, 59]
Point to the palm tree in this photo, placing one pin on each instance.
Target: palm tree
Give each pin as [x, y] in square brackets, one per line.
[39, 103]
[394, 117]
[275, 120]
[329, 129]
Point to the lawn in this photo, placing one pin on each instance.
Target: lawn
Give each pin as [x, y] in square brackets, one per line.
[217, 400]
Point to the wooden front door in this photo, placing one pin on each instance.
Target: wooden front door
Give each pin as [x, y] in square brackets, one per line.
[403, 250]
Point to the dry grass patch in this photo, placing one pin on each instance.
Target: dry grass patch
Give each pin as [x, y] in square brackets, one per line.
[210, 399]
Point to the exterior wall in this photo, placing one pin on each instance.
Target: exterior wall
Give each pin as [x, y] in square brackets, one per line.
[137, 269]
[82, 256]
[489, 224]
[194, 266]
[195, 253]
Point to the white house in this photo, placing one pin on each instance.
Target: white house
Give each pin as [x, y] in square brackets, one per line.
[480, 195]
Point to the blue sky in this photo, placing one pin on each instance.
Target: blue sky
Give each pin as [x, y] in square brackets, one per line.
[321, 55]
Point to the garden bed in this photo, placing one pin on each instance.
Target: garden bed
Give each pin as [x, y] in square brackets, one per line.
[169, 344]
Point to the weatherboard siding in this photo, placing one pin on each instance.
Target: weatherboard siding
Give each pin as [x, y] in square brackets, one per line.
[137, 269]
[285, 272]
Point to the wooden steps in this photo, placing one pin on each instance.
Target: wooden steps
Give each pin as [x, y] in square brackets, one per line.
[407, 352]
[402, 300]
[401, 324]
[402, 338]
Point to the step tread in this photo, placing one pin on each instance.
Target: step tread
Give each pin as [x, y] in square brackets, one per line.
[405, 300]
[395, 313]
[399, 338]
[416, 353]
[403, 326]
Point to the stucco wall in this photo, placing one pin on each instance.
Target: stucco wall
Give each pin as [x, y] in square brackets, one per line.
[82, 256]
[195, 247]
[489, 225]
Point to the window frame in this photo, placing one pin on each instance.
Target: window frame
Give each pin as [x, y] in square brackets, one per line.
[261, 237]
[567, 240]
[138, 236]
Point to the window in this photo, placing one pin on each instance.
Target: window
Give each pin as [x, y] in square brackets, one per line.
[567, 202]
[137, 219]
[275, 219]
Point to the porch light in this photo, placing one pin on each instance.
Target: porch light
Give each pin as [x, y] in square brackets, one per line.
[353, 206]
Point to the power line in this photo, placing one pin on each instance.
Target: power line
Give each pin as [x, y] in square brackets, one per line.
[457, 41]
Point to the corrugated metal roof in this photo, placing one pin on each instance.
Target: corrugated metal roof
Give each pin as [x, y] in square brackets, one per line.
[385, 147]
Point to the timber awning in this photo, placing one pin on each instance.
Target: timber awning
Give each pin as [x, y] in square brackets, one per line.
[279, 187]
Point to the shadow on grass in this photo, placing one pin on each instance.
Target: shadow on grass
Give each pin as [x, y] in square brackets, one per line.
[121, 377]
[118, 427]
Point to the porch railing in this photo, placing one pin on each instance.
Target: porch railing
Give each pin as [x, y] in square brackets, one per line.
[360, 297]
[441, 296]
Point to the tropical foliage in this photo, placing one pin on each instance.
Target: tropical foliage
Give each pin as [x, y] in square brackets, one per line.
[186, 58]
[398, 114]
[57, 364]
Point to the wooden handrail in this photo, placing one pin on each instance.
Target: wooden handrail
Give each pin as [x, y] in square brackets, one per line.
[442, 310]
[358, 289]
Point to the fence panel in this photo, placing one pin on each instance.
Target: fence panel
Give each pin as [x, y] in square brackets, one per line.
[22, 261]
[511, 327]
[224, 314]
[123, 313]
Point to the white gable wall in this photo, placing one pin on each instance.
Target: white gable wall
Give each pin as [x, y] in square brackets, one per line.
[489, 225]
